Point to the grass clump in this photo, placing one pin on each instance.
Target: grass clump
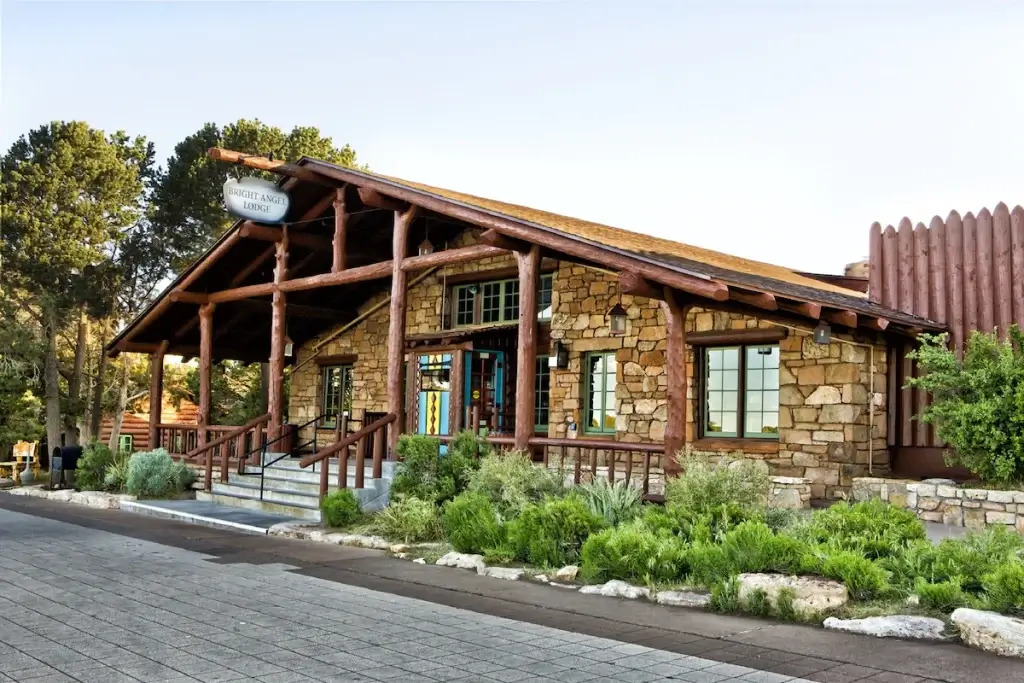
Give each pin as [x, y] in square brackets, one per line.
[632, 553]
[409, 520]
[863, 578]
[472, 524]
[943, 596]
[1004, 588]
[725, 596]
[551, 534]
[872, 528]
[703, 485]
[616, 503]
[511, 481]
[340, 508]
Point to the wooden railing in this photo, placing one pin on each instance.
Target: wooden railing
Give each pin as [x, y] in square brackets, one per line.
[377, 429]
[234, 443]
[589, 456]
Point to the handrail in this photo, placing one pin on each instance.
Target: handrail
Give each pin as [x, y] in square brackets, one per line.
[263, 448]
[342, 446]
[252, 424]
[599, 444]
[352, 438]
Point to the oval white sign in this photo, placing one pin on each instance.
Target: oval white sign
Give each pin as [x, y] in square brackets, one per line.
[256, 200]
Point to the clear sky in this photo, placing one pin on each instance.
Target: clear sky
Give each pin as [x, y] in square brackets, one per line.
[772, 130]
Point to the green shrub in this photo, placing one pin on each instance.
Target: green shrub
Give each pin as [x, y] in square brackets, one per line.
[752, 547]
[550, 534]
[425, 473]
[785, 607]
[944, 596]
[703, 485]
[616, 503]
[471, 523]
[781, 519]
[725, 595]
[917, 560]
[863, 578]
[707, 563]
[633, 552]
[971, 558]
[153, 474]
[409, 520]
[116, 477]
[977, 405]
[340, 508]
[1004, 588]
[757, 603]
[511, 481]
[92, 467]
[872, 528]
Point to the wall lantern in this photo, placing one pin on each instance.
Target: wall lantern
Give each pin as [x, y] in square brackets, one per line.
[289, 346]
[559, 358]
[425, 248]
[617, 318]
[822, 333]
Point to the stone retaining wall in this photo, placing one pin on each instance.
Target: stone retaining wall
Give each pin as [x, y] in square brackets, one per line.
[790, 492]
[940, 500]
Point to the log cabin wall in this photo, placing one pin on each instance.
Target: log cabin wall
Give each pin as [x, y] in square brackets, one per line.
[967, 273]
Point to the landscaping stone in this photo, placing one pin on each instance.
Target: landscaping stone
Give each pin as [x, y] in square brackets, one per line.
[812, 595]
[567, 573]
[682, 599]
[790, 492]
[419, 560]
[616, 589]
[6, 483]
[461, 561]
[506, 573]
[398, 548]
[989, 631]
[897, 626]
[540, 577]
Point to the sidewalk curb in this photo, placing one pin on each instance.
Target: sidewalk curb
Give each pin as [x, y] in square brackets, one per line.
[188, 517]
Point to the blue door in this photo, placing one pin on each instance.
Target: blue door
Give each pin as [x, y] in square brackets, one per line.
[485, 390]
[435, 389]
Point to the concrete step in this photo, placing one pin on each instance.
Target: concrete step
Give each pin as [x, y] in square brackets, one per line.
[310, 476]
[292, 464]
[309, 486]
[265, 505]
[372, 497]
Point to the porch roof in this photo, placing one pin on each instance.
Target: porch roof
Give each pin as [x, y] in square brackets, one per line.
[241, 258]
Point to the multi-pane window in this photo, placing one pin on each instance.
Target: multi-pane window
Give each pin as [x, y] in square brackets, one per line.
[337, 393]
[542, 398]
[599, 393]
[741, 391]
[497, 301]
[125, 443]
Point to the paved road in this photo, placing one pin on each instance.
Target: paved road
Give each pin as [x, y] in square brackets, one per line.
[102, 600]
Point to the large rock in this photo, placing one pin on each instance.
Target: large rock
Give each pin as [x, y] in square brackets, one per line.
[461, 561]
[812, 595]
[989, 631]
[6, 483]
[567, 573]
[682, 599]
[897, 626]
[617, 589]
[506, 573]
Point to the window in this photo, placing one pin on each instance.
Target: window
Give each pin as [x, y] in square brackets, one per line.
[741, 391]
[542, 398]
[490, 303]
[125, 443]
[337, 393]
[600, 380]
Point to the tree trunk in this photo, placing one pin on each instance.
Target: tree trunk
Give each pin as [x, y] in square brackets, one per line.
[75, 412]
[51, 377]
[122, 404]
[96, 417]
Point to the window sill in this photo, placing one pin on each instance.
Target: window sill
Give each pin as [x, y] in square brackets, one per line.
[736, 444]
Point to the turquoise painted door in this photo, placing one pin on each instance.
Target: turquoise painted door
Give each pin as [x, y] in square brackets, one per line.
[435, 389]
[485, 388]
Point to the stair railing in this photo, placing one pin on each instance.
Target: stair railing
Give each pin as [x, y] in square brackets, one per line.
[296, 448]
[377, 430]
[207, 449]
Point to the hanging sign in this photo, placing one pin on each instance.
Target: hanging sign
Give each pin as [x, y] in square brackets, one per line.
[256, 200]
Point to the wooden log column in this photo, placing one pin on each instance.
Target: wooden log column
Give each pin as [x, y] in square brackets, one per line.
[275, 392]
[156, 391]
[340, 230]
[396, 326]
[205, 369]
[675, 369]
[526, 351]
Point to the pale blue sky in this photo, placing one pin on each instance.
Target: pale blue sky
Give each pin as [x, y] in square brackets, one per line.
[772, 130]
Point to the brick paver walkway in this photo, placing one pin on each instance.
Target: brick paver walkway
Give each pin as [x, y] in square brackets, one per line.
[88, 605]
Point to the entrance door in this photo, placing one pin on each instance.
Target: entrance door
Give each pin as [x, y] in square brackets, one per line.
[485, 388]
[434, 396]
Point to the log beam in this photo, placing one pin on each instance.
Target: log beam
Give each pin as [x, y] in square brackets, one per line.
[264, 164]
[156, 391]
[396, 325]
[297, 310]
[877, 324]
[340, 230]
[758, 299]
[675, 371]
[267, 233]
[496, 239]
[376, 200]
[449, 257]
[198, 298]
[526, 351]
[275, 393]
[632, 283]
[805, 309]
[844, 318]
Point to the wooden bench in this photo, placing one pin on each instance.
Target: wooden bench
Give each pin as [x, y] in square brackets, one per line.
[24, 457]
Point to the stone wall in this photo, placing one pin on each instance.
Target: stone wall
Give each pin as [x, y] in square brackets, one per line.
[941, 500]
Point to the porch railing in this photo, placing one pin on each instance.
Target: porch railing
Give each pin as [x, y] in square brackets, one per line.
[376, 430]
[235, 443]
[600, 457]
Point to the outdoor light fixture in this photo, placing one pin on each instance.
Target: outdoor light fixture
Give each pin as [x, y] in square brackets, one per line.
[559, 358]
[426, 248]
[474, 288]
[289, 346]
[822, 333]
[617, 316]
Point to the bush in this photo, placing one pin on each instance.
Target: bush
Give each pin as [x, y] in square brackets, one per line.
[872, 528]
[863, 578]
[341, 508]
[1004, 588]
[471, 523]
[944, 596]
[116, 477]
[153, 474]
[725, 595]
[758, 604]
[781, 519]
[425, 473]
[971, 558]
[633, 552]
[511, 481]
[409, 520]
[616, 503]
[977, 405]
[550, 534]
[752, 547]
[707, 563]
[785, 606]
[703, 485]
[92, 467]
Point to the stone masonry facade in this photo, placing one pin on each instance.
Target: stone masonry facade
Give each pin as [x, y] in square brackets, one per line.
[831, 418]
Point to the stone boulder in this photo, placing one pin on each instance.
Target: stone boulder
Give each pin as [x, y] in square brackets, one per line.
[6, 483]
[812, 595]
[506, 573]
[461, 561]
[989, 631]
[567, 573]
[617, 589]
[897, 626]
[682, 599]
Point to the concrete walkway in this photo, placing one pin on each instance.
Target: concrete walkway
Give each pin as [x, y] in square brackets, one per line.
[207, 513]
[154, 600]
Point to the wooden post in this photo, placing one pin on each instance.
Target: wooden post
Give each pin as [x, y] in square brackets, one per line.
[340, 228]
[205, 368]
[526, 352]
[275, 393]
[675, 369]
[396, 327]
[156, 392]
